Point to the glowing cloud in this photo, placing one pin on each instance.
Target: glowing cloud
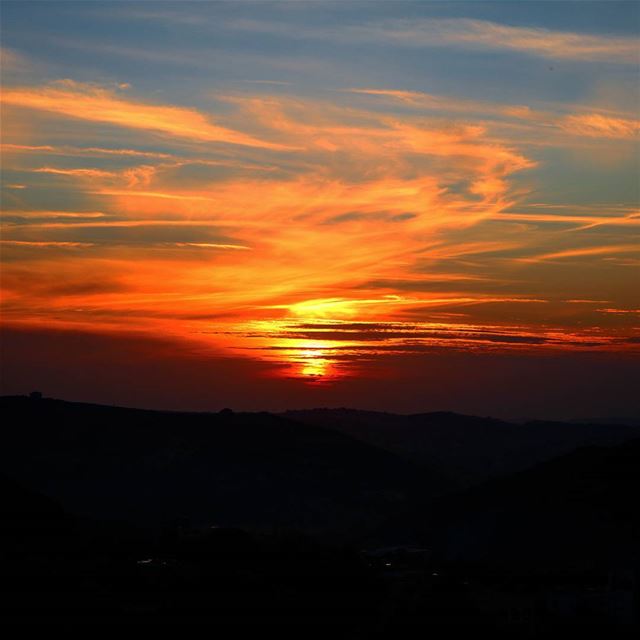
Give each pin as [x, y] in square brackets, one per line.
[599, 126]
[484, 34]
[98, 104]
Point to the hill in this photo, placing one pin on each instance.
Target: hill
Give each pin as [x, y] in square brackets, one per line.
[469, 449]
[577, 512]
[228, 469]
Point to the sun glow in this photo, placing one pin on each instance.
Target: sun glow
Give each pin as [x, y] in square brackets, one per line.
[311, 360]
[317, 232]
[313, 365]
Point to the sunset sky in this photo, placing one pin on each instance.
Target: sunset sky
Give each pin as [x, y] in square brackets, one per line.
[407, 206]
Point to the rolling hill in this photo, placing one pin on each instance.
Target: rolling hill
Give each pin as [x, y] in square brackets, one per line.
[468, 449]
[227, 469]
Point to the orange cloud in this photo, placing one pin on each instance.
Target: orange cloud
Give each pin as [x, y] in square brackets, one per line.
[375, 216]
[97, 104]
[587, 251]
[52, 214]
[451, 105]
[29, 243]
[81, 173]
[80, 151]
[587, 221]
[483, 34]
[596, 125]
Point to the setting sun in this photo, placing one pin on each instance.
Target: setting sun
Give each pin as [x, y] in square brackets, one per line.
[296, 215]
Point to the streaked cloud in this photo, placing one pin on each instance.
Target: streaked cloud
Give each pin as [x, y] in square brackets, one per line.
[283, 200]
[81, 173]
[483, 34]
[599, 126]
[580, 252]
[12, 61]
[81, 151]
[38, 244]
[466, 33]
[98, 104]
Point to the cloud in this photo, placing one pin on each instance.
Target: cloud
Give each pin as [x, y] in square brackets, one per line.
[37, 214]
[98, 104]
[212, 245]
[82, 173]
[582, 221]
[483, 34]
[45, 244]
[325, 347]
[582, 252]
[465, 33]
[12, 61]
[451, 105]
[619, 311]
[81, 151]
[374, 204]
[596, 125]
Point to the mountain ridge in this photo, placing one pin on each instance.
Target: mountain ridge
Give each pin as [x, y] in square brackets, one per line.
[469, 448]
[244, 469]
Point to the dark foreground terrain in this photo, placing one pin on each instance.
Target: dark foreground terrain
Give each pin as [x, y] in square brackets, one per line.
[315, 524]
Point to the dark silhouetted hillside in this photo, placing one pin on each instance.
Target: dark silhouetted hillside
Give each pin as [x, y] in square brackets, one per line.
[468, 449]
[61, 570]
[576, 512]
[550, 552]
[241, 469]
[213, 502]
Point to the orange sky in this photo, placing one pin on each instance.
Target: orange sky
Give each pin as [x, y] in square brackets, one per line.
[318, 231]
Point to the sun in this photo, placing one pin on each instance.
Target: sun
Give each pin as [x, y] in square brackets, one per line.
[311, 360]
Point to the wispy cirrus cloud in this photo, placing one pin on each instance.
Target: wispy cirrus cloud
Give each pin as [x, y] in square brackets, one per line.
[377, 214]
[13, 61]
[596, 125]
[45, 244]
[466, 33]
[584, 252]
[77, 173]
[563, 117]
[578, 220]
[71, 150]
[449, 105]
[98, 104]
[483, 34]
[447, 32]
[46, 214]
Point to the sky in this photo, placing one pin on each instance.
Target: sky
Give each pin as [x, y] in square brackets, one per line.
[404, 206]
